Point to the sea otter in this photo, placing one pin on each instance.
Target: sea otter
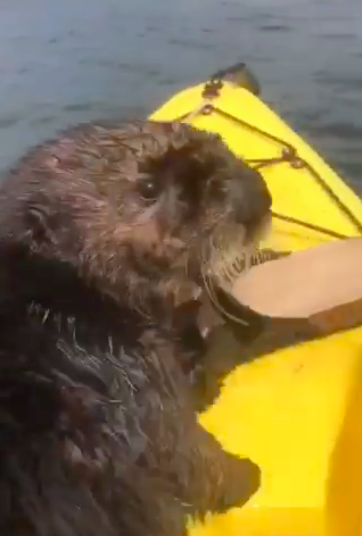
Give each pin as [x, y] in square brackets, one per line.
[104, 231]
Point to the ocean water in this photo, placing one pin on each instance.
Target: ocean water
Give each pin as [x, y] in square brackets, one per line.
[75, 60]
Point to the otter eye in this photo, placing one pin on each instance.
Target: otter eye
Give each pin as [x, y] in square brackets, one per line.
[148, 188]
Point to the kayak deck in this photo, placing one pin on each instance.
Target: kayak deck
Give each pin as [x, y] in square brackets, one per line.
[296, 412]
[250, 128]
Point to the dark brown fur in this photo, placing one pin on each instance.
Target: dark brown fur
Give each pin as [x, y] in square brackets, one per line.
[103, 232]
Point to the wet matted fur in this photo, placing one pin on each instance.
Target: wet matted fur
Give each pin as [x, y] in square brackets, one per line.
[103, 232]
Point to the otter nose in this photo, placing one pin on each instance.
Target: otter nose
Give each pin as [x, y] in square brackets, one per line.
[251, 198]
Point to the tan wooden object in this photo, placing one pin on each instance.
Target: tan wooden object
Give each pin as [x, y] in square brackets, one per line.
[322, 284]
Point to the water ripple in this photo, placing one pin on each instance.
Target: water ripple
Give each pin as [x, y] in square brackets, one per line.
[61, 63]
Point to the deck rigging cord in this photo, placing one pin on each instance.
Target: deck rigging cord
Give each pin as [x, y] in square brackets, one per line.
[289, 155]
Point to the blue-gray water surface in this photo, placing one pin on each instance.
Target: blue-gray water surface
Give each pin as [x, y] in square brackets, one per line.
[67, 61]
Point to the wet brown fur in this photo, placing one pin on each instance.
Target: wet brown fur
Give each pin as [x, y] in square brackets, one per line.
[101, 235]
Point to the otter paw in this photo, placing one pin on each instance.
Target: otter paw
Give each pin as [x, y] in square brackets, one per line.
[244, 477]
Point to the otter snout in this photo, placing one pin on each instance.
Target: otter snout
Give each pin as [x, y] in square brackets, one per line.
[251, 199]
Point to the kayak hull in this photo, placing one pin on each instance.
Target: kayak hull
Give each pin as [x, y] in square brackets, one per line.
[295, 412]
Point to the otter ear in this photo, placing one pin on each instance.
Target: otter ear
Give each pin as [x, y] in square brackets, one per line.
[37, 216]
[188, 151]
[185, 137]
[40, 218]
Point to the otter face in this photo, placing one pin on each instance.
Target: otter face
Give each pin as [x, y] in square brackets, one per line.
[140, 203]
[193, 203]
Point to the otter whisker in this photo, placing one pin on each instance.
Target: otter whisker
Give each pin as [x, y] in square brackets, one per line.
[148, 213]
[209, 287]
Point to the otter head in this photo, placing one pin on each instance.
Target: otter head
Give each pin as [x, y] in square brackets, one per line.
[136, 208]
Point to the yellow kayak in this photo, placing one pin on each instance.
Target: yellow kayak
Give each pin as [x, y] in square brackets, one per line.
[297, 412]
